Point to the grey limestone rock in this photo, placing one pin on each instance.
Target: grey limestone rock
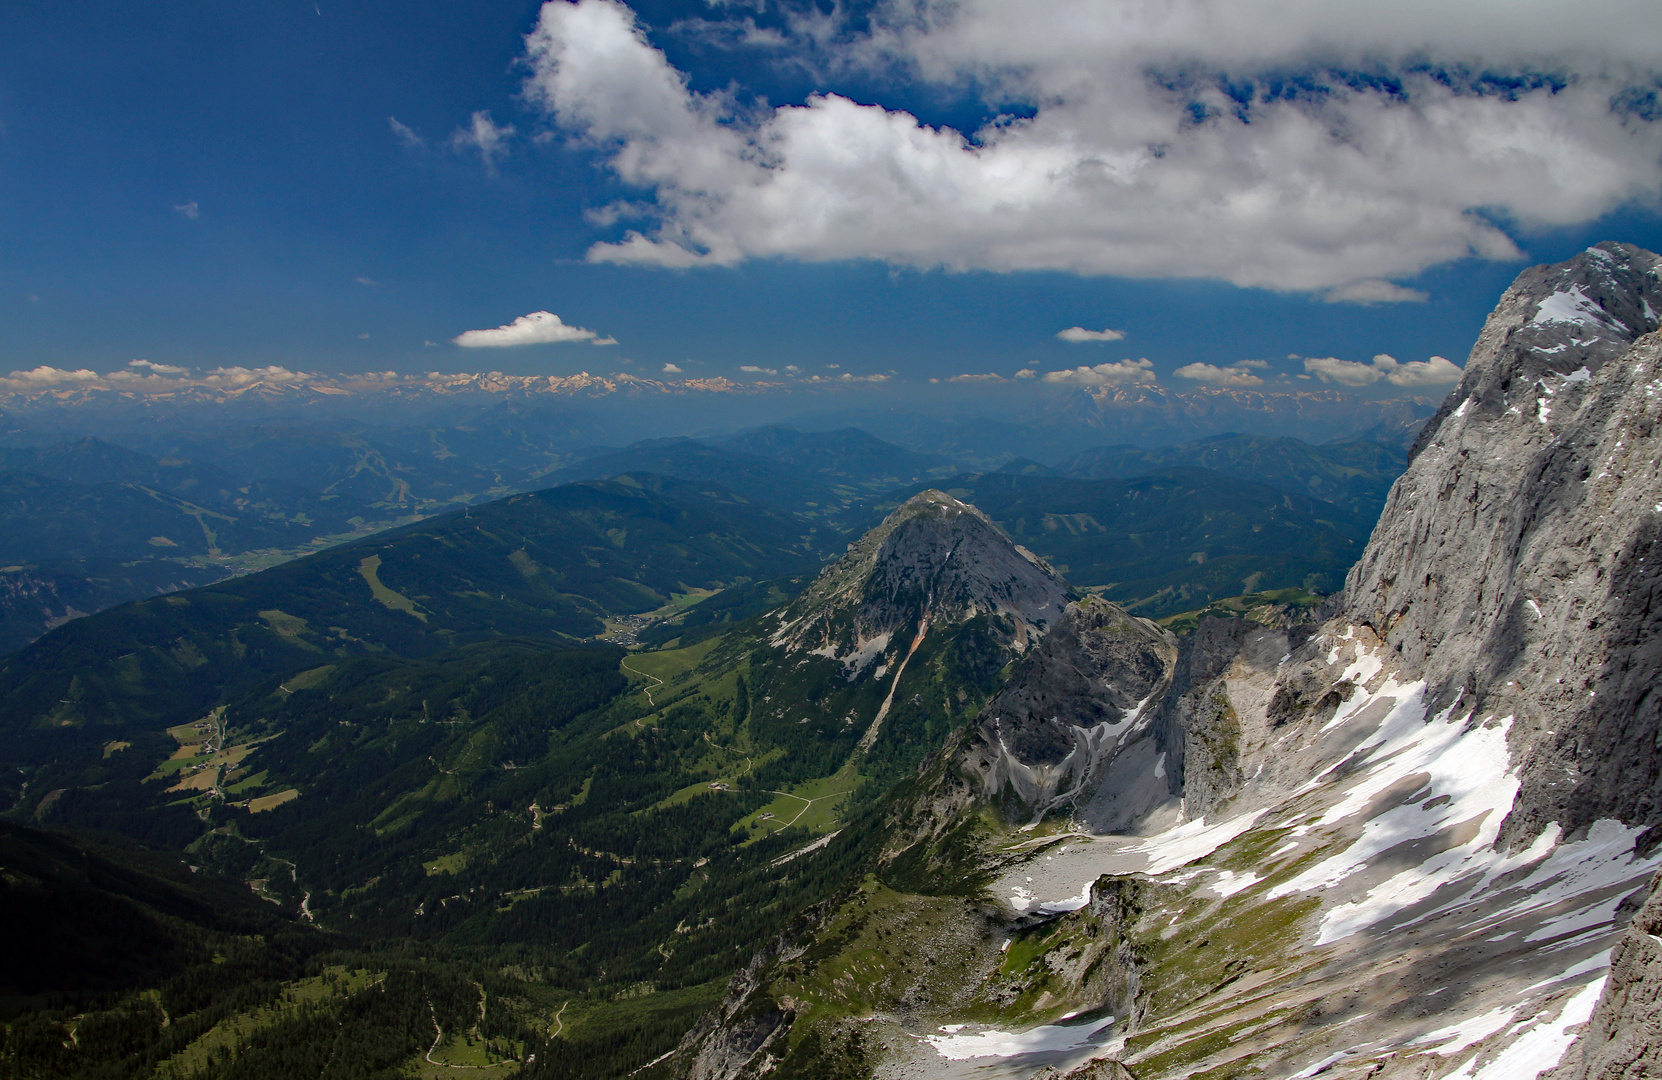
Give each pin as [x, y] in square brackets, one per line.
[1515, 567]
[1074, 704]
[1623, 1040]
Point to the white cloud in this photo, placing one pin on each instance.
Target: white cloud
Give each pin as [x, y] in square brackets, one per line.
[1182, 138]
[754, 370]
[45, 375]
[1374, 291]
[242, 376]
[672, 369]
[157, 369]
[406, 135]
[1259, 364]
[1079, 333]
[537, 328]
[1437, 371]
[1119, 373]
[484, 136]
[1236, 375]
[604, 341]
[988, 377]
[190, 210]
[1027, 373]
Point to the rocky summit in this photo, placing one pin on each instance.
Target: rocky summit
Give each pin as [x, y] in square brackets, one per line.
[1400, 842]
[933, 560]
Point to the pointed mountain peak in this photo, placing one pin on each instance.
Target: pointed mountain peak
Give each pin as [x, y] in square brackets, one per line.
[934, 560]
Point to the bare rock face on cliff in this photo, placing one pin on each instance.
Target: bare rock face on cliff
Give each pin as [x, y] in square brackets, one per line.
[1418, 833]
[1402, 843]
[1514, 569]
[1085, 695]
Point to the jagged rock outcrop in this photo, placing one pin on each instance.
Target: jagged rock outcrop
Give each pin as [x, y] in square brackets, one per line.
[1623, 1040]
[1398, 844]
[1513, 568]
[1088, 689]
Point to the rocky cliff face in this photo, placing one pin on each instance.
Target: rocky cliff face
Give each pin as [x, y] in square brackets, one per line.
[1513, 569]
[1087, 692]
[1402, 843]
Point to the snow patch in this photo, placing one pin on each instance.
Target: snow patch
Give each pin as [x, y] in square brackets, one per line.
[1539, 1048]
[1192, 840]
[1229, 883]
[1047, 1038]
[1571, 306]
[1456, 1037]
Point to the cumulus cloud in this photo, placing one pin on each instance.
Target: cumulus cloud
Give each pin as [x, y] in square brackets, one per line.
[604, 341]
[1235, 375]
[405, 134]
[1079, 333]
[752, 369]
[46, 375]
[1027, 373]
[484, 136]
[190, 210]
[1437, 371]
[988, 377]
[537, 328]
[672, 369]
[1287, 144]
[1119, 373]
[157, 369]
[244, 376]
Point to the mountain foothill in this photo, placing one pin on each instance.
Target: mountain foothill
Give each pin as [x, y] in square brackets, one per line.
[810, 755]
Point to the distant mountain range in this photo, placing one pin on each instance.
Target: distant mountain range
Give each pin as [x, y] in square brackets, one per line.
[86, 524]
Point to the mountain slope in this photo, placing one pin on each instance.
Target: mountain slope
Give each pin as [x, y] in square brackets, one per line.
[1175, 540]
[814, 474]
[1355, 475]
[1398, 844]
[595, 836]
[553, 565]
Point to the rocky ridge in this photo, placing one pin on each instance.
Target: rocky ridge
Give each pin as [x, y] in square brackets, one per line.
[1399, 844]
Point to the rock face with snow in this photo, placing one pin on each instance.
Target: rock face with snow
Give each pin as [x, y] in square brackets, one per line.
[1623, 1040]
[1400, 844]
[1514, 568]
[1456, 769]
[1089, 688]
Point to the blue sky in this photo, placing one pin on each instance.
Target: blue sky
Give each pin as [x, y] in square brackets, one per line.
[207, 183]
